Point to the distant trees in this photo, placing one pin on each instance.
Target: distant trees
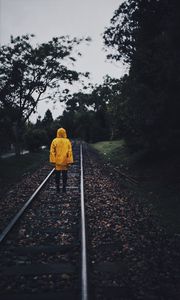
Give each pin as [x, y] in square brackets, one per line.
[6, 135]
[34, 138]
[94, 116]
[48, 119]
[28, 71]
[142, 107]
[41, 133]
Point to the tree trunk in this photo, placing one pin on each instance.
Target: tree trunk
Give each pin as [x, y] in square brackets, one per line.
[112, 133]
[16, 131]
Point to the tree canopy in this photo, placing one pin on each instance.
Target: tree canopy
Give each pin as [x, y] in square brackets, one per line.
[28, 71]
[145, 34]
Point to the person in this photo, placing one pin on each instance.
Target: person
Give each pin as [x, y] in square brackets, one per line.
[62, 156]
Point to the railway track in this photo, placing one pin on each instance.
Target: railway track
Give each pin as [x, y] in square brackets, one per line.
[43, 254]
[121, 174]
[43, 248]
[109, 275]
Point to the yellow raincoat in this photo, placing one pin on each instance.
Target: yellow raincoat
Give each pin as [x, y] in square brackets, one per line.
[61, 151]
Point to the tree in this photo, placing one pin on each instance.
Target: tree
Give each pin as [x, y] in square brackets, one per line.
[48, 125]
[87, 115]
[48, 119]
[6, 137]
[75, 116]
[34, 138]
[144, 34]
[28, 71]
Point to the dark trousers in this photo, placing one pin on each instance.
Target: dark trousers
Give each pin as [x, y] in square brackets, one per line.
[64, 178]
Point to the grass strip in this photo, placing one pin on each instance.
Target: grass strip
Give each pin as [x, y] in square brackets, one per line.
[158, 179]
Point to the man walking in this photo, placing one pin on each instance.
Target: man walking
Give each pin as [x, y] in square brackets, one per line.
[61, 155]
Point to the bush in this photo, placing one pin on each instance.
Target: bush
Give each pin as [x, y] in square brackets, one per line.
[34, 139]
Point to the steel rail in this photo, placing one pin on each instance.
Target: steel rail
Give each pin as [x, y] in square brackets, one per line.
[84, 285]
[120, 173]
[129, 178]
[19, 214]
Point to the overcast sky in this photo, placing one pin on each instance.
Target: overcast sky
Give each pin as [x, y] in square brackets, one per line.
[49, 18]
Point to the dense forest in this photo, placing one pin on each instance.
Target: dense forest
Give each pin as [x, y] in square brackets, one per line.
[142, 107]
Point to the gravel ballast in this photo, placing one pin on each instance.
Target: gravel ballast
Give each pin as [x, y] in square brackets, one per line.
[130, 255]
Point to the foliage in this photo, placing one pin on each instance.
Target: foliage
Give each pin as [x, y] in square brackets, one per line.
[28, 71]
[48, 119]
[6, 137]
[35, 138]
[145, 33]
[41, 133]
[86, 115]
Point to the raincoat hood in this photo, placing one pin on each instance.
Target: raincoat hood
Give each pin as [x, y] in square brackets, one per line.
[61, 133]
